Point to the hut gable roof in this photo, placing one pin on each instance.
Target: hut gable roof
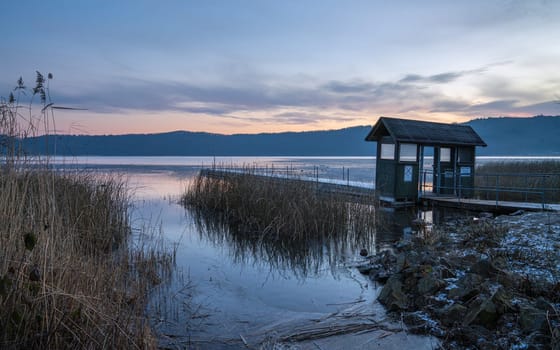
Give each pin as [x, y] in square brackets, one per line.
[427, 133]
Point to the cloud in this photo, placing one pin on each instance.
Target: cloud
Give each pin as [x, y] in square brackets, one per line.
[349, 87]
[514, 108]
[307, 118]
[289, 100]
[506, 107]
[441, 78]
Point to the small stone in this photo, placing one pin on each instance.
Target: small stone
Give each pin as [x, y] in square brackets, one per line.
[363, 252]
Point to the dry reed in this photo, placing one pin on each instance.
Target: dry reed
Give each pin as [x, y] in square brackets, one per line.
[67, 276]
[288, 221]
[532, 181]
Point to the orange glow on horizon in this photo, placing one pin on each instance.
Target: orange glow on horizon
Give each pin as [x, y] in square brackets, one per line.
[140, 122]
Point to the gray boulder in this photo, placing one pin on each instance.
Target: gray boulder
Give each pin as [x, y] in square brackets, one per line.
[392, 295]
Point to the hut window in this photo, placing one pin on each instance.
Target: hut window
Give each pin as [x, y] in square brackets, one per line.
[445, 154]
[465, 155]
[407, 152]
[387, 151]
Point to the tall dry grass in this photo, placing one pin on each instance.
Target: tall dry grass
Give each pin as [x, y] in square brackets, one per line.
[533, 181]
[67, 276]
[288, 221]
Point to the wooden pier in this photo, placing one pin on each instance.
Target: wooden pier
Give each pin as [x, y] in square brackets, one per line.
[487, 205]
[368, 195]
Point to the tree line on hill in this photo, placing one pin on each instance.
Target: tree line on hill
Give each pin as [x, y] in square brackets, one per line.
[505, 136]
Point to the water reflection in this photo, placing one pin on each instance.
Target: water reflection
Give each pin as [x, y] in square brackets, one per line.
[311, 257]
[302, 256]
[406, 223]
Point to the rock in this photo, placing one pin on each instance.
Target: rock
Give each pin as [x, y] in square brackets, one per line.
[363, 252]
[531, 319]
[517, 213]
[502, 301]
[485, 268]
[403, 245]
[420, 322]
[544, 305]
[365, 269]
[380, 275]
[539, 341]
[483, 312]
[387, 258]
[445, 263]
[444, 272]
[452, 314]
[485, 215]
[468, 287]
[407, 259]
[429, 285]
[392, 295]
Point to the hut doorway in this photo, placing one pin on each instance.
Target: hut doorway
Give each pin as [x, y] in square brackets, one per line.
[427, 170]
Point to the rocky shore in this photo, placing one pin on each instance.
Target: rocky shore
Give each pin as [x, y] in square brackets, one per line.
[477, 282]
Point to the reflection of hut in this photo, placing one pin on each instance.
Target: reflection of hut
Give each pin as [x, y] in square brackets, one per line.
[401, 147]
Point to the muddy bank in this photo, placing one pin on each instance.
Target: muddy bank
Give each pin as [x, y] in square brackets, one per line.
[479, 283]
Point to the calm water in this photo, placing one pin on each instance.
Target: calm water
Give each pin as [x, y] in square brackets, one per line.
[225, 286]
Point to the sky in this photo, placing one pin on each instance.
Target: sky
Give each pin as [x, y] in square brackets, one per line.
[240, 66]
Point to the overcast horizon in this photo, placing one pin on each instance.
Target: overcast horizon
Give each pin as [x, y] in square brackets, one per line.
[235, 67]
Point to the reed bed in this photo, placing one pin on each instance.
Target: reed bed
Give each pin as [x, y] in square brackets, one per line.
[68, 278]
[287, 220]
[529, 181]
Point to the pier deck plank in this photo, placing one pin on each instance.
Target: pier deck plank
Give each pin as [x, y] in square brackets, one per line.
[481, 204]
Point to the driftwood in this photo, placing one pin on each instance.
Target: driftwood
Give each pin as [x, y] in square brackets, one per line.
[318, 332]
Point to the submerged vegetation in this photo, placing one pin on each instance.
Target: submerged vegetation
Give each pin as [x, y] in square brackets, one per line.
[69, 277]
[276, 218]
[530, 181]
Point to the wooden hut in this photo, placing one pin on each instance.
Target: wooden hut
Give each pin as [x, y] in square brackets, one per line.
[401, 145]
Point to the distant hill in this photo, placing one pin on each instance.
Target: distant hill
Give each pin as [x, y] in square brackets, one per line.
[343, 142]
[504, 136]
[533, 136]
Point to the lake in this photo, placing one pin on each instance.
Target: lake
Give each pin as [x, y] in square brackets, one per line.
[226, 292]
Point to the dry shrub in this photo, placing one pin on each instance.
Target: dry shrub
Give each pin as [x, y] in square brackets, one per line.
[67, 276]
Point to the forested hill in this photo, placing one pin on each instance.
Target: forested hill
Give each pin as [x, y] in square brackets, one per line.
[505, 137]
[343, 142]
[533, 136]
